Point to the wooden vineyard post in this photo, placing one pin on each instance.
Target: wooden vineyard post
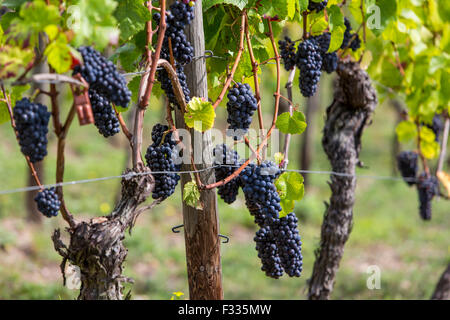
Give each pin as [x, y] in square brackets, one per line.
[201, 227]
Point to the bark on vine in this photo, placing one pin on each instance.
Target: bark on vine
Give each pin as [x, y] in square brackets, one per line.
[442, 290]
[354, 101]
[96, 247]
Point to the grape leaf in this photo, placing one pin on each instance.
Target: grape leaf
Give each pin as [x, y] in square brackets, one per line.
[132, 16]
[191, 195]
[200, 114]
[58, 54]
[406, 131]
[238, 3]
[287, 206]
[291, 186]
[279, 157]
[294, 124]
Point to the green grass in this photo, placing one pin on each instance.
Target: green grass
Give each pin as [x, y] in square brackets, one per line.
[387, 230]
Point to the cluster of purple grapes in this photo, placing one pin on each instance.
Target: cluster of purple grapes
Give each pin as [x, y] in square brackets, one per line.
[329, 60]
[105, 118]
[180, 14]
[312, 54]
[287, 53]
[160, 157]
[240, 107]
[103, 77]
[427, 188]
[407, 164]
[427, 185]
[309, 62]
[48, 202]
[317, 6]
[32, 127]
[277, 241]
[228, 160]
[351, 40]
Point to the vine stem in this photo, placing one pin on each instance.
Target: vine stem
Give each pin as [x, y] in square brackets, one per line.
[124, 127]
[442, 155]
[397, 57]
[422, 157]
[287, 137]
[363, 20]
[7, 101]
[255, 74]
[236, 62]
[263, 143]
[146, 84]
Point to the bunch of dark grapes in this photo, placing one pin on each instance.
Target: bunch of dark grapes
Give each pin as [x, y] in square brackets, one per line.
[240, 107]
[105, 118]
[228, 159]
[318, 6]
[160, 157]
[268, 253]
[407, 165]
[166, 84]
[437, 126]
[427, 187]
[355, 44]
[48, 202]
[329, 60]
[31, 121]
[103, 77]
[179, 15]
[277, 241]
[259, 189]
[288, 242]
[309, 61]
[287, 53]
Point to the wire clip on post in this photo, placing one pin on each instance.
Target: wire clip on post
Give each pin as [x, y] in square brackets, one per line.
[176, 230]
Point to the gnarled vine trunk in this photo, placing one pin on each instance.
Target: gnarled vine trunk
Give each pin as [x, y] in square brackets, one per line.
[354, 101]
[442, 290]
[96, 247]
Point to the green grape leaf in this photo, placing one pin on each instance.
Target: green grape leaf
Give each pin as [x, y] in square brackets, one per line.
[279, 157]
[191, 195]
[13, 60]
[287, 206]
[303, 5]
[406, 131]
[295, 124]
[200, 114]
[429, 149]
[58, 54]
[35, 17]
[241, 4]
[290, 185]
[380, 15]
[291, 8]
[93, 22]
[337, 27]
[132, 16]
